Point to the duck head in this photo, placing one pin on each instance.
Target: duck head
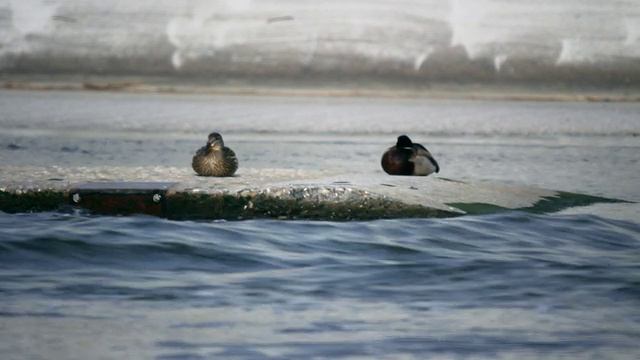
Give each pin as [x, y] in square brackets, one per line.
[404, 142]
[215, 141]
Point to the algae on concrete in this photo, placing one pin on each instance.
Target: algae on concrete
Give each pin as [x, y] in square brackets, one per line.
[31, 201]
[182, 206]
[270, 193]
[561, 201]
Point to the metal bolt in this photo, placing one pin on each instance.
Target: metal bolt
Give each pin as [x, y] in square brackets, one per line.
[76, 198]
[156, 197]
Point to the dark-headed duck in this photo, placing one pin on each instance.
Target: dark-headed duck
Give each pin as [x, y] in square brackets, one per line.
[408, 158]
[215, 159]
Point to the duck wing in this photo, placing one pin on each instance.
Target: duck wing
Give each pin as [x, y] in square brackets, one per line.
[202, 151]
[230, 159]
[422, 152]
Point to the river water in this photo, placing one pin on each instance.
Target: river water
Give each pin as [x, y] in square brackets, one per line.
[504, 286]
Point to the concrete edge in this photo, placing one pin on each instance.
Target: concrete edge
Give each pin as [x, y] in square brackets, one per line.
[296, 204]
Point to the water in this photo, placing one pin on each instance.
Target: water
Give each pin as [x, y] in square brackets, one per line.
[504, 286]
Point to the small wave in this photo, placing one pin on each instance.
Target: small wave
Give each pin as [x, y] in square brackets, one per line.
[138, 242]
[13, 146]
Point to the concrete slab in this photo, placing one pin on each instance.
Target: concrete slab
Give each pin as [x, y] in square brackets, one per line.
[177, 193]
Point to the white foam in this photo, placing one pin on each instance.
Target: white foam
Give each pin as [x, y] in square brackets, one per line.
[238, 5]
[32, 16]
[592, 51]
[176, 60]
[587, 31]
[466, 19]
[632, 26]
[421, 58]
[498, 61]
[28, 17]
[374, 30]
[575, 51]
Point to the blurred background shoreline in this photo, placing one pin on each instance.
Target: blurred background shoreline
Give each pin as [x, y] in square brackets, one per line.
[455, 46]
[364, 86]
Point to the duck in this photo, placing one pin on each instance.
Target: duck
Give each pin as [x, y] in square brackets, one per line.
[215, 159]
[408, 158]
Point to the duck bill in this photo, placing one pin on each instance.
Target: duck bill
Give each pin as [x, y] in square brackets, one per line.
[215, 145]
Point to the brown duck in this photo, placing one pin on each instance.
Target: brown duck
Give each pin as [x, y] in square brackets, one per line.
[408, 158]
[215, 159]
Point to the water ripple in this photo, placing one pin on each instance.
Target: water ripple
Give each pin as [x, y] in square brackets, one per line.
[504, 284]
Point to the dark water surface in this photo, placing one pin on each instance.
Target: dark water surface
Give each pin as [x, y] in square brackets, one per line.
[512, 285]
